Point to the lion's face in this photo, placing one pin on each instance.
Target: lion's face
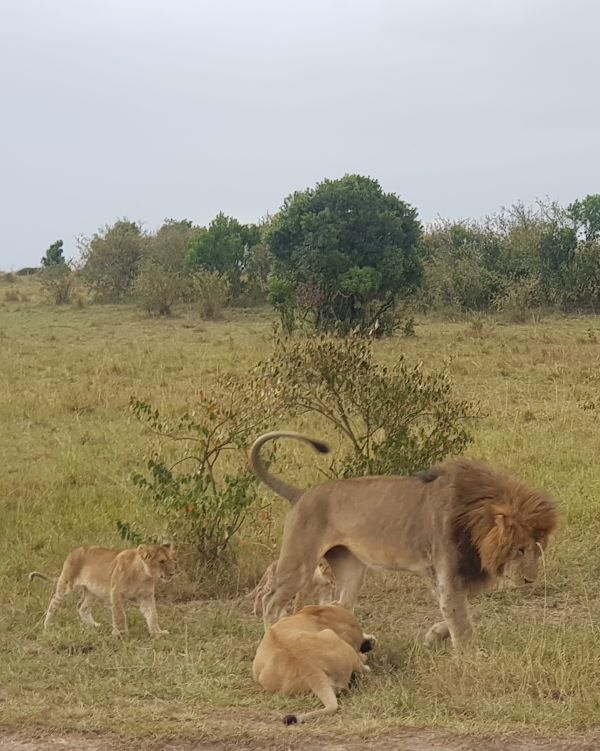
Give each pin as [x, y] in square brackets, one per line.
[522, 566]
[160, 561]
[511, 549]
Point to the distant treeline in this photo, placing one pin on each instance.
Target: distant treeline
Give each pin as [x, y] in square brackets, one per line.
[343, 255]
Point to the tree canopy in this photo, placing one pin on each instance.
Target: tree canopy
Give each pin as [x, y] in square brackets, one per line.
[348, 249]
[224, 247]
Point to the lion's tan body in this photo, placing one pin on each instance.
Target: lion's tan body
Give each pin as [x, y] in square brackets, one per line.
[316, 650]
[461, 524]
[113, 575]
[319, 590]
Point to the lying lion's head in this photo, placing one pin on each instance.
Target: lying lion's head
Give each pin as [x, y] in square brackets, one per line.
[159, 560]
[501, 525]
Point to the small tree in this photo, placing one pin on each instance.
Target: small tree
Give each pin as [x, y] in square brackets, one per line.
[224, 248]
[54, 255]
[556, 255]
[157, 289]
[209, 292]
[162, 279]
[58, 281]
[111, 260]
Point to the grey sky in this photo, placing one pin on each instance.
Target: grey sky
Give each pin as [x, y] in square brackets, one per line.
[182, 108]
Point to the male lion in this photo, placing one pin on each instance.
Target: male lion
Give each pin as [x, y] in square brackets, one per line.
[317, 650]
[100, 573]
[461, 523]
[320, 588]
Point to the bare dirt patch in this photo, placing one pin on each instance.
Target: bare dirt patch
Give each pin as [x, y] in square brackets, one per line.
[38, 739]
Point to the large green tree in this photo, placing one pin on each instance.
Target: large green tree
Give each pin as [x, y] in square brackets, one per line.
[224, 247]
[348, 250]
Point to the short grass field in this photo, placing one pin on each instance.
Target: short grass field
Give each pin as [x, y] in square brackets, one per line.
[69, 445]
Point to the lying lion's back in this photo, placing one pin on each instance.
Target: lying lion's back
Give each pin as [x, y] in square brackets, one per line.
[289, 664]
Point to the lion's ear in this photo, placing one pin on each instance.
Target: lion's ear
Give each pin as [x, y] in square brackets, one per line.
[144, 552]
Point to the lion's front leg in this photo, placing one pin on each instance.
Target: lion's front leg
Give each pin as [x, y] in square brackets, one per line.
[148, 609]
[455, 609]
[119, 618]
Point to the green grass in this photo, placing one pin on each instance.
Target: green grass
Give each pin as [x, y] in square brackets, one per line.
[70, 443]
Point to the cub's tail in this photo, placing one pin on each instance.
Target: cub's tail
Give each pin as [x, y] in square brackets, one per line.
[37, 575]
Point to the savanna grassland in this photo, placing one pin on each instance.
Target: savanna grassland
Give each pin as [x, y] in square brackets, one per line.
[70, 443]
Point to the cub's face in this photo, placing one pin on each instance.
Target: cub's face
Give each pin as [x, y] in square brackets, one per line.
[159, 561]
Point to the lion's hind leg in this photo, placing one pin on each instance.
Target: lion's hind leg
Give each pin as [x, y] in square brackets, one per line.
[84, 608]
[62, 589]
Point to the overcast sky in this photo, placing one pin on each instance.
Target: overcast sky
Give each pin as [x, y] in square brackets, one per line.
[149, 109]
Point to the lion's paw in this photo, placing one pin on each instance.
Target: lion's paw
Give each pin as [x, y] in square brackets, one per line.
[437, 634]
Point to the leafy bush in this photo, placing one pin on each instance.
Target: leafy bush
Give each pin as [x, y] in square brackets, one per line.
[111, 260]
[210, 292]
[282, 296]
[57, 281]
[157, 289]
[206, 491]
[224, 248]
[520, 299]
[394, 419]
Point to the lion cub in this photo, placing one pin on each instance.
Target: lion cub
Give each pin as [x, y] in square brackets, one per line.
[320, 589]
[118, 576]
[317, 650]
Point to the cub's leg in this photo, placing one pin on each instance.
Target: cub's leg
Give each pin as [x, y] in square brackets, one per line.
[291, 576]
[437, 634]
[148, 609]
[85, 608]
[119, 618]
[349, 574]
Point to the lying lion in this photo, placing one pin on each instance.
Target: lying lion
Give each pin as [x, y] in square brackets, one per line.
[317, 650]
[462, 524]
[319, 590]
[100, 573]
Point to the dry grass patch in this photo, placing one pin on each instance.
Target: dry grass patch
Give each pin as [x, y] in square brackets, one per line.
[69, 447]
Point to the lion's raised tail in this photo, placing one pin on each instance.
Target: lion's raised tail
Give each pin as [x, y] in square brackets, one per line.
[279, 486]
[38, 575]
